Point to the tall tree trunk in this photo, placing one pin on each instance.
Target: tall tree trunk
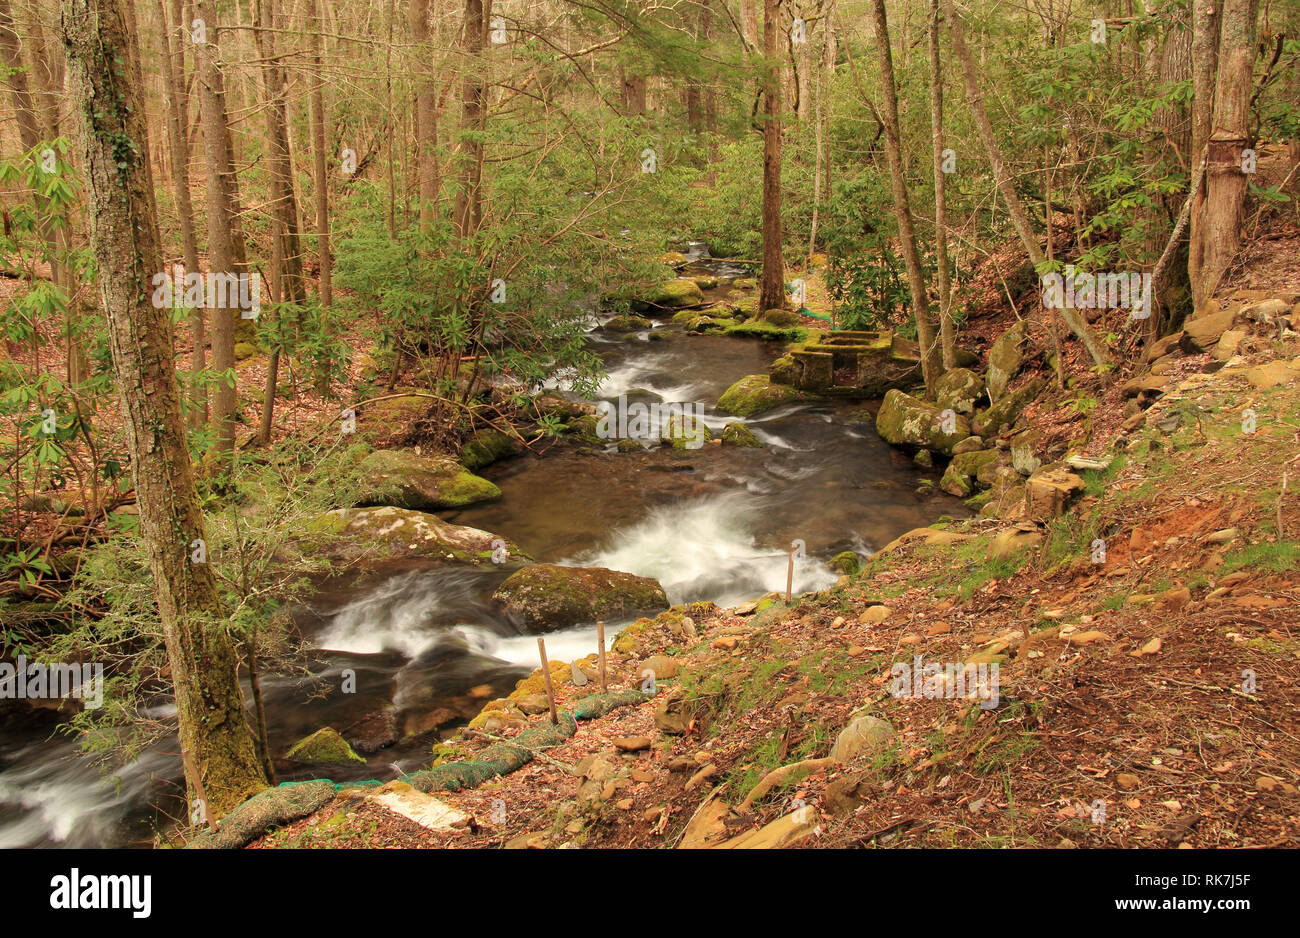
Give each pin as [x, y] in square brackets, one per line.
[173, 63]
[223, 248]
[1225, 181]
[320, 181]
[469, 199]
[11, 57]
[975, 95]
[214, 731]
[931, 366]
[772, 285]
[944, 270]
[37, 114]
[292, 292]
[634, 94]
[426, 116]
[1205, 51]
[749, 22]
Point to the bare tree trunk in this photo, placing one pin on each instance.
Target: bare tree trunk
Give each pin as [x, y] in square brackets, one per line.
[223, 253]
[1078, 325]
[944, 272]
[469, 199]
[214, 732]
[772, 286]
[320, 177]
[634, 95]
[426, 116]
[37, 113]
[749, 22]
[1225, 180]
[1205, 51]
[284, 202]
[11, 56]
[173, 63]
[931, 366]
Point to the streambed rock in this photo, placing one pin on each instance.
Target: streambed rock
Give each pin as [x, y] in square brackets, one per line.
[401, 479]
[672, 295]
[548, 596]
[755, 394]
[324, 747]
[904, 420]
[959, 389]
[737, 434]
[374, 535]
[962, 473]
[486, 447]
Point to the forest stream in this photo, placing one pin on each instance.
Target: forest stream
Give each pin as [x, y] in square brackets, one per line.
[425, 643]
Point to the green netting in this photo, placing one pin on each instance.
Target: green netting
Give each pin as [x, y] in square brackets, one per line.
[265, 810]
[292, 800]
[498, 759]
[588, 708]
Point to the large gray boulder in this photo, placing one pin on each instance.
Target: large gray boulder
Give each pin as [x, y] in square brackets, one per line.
[548, 596]
[1005, 359]
[401, 479]
[904, 420]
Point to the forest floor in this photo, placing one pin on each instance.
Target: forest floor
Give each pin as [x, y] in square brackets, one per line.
[1148, 694]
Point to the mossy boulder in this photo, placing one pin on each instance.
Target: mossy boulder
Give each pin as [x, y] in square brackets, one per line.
[758, 329]
[628, 323]
[785, 370]
[706, 282]
[549, 596]
[244, 350]
[755, 394]
[1025, 447]
[556, 405]
[373, 535]
[846, 562]
[781, 317]
[745, 283]
[684, 432]
[737, 434]
[1005, 358]
[402, 479]
[960, 477]
[988, 423]
[702, 324]
[585, 429]
[324, 747]
[904, 420]
[675, 294]
[486, 447]
[959, 389]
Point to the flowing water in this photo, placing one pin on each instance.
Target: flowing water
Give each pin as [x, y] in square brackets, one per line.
[425, 647]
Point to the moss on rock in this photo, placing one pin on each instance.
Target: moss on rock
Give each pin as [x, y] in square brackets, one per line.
[404, 480]
[904, 420]
[755, 394]
[549, 596]
[676, 293]
[737, 434]
[324, 747]
[373, 535]
[486, 447]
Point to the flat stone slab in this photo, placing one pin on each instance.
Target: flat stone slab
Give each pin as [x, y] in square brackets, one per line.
[414, 805]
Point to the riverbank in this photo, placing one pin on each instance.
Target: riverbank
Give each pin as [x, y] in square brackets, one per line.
[1136, 613]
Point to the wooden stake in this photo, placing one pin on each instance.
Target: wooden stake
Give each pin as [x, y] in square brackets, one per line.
[600, 637]
[789, 576]
[546, 676]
